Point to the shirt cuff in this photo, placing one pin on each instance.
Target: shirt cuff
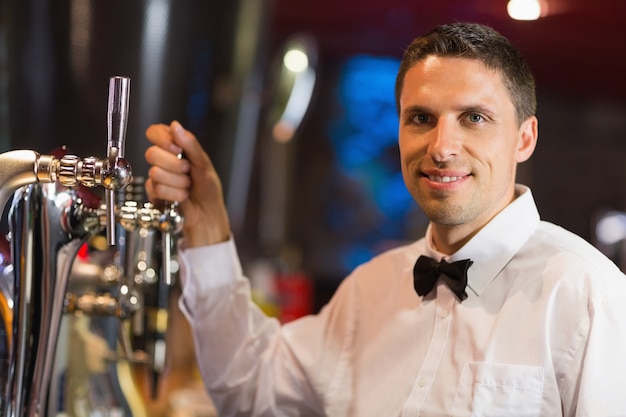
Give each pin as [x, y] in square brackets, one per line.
[207, 268]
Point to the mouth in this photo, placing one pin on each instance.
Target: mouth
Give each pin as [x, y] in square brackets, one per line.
[444, 179]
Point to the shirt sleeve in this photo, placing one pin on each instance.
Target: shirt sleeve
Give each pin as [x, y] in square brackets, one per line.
[593, 369]
[603, 371]
[247, 362]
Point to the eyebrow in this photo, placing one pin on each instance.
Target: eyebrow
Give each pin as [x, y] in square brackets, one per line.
[416, 109]
[470, 108]
[477, 108]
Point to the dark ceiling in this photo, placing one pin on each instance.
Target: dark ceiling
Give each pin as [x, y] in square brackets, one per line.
[578, 49]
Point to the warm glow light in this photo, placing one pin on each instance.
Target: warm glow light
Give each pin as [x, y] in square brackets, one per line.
[524, 9]
[296, 106]
[611, 228]
[295, 60]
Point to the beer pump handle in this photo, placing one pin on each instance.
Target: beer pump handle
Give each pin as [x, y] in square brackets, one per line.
[117, 120]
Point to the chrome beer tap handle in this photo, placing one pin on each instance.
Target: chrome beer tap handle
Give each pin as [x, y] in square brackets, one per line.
[170, 222]
[117, 115]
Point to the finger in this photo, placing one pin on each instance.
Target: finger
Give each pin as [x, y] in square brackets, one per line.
[165, 159]
[157, 191]
[161, 135]
[167, 178]
[190, 145]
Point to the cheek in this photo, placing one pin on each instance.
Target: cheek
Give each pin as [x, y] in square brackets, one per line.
[409, 167]
[408, 161]
[403, 153]
[502, 171]
[409, 149]
[406, 171]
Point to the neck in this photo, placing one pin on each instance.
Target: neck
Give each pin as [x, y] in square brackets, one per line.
[449, 239]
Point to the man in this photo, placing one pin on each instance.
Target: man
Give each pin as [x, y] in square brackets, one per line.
[538, 331]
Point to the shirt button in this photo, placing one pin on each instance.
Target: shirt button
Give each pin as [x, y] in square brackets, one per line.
[422, 382]
[443, 313]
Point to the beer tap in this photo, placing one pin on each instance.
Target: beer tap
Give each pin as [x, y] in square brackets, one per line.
[117, 114]
[170, 223]
[167, 222]
[43, 248]
[23, 167]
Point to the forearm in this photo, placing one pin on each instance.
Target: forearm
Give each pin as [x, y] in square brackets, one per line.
[242, 357]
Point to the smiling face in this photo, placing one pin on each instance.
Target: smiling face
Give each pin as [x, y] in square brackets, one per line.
[460, 143]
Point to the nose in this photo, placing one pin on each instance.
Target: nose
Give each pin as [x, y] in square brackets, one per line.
[444, 143]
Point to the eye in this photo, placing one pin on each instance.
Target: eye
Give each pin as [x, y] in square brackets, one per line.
[475, 118]
[421, 118]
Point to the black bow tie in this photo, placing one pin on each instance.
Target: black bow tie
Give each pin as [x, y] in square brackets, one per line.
[427, 271]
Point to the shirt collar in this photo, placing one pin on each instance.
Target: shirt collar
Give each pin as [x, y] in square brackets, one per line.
[497, 242]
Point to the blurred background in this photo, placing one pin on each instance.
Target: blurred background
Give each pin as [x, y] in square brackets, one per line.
[294, 102]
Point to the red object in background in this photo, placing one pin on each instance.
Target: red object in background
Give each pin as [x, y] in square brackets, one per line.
[295, 293]
[83, 252]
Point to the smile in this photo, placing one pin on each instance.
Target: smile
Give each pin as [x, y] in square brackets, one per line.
[435, 178]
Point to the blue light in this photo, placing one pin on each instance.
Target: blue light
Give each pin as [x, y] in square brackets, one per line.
[370, 204]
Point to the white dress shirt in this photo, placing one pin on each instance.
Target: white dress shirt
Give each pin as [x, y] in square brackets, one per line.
[542, 333]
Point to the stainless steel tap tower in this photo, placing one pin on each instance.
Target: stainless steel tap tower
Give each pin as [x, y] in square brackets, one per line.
[47, 228]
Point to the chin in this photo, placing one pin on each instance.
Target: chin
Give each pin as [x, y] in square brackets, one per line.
[446, 214]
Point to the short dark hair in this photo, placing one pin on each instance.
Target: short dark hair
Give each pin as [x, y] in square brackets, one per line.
[480, 42]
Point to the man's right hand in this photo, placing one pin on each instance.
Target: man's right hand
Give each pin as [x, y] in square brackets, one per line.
[191, 181]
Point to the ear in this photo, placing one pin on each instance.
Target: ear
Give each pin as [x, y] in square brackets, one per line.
[527, 139]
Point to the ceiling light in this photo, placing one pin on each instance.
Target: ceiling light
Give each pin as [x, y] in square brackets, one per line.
[524, 9]
[296, 60]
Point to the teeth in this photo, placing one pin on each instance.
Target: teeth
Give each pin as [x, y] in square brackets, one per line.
[443, 179]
